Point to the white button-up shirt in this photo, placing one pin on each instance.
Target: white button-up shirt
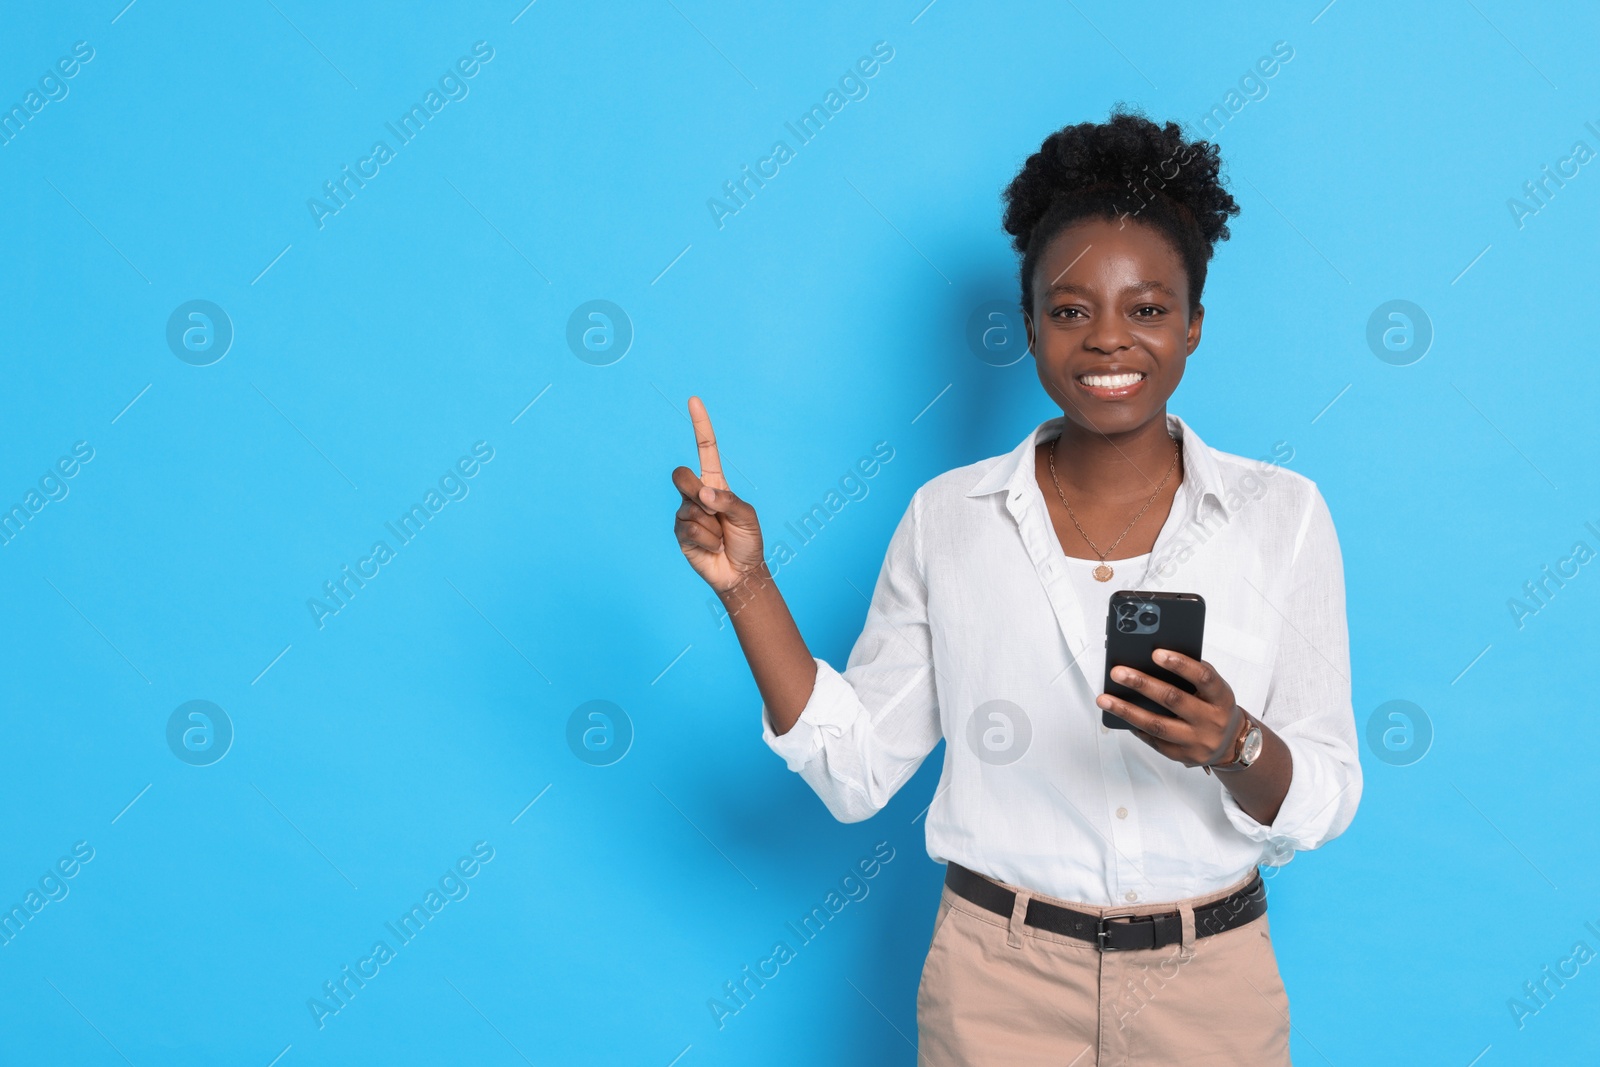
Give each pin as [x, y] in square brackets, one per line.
[977, 633]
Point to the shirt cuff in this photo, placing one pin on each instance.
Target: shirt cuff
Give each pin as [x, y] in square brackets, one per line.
[829, 710]
[1277, 840]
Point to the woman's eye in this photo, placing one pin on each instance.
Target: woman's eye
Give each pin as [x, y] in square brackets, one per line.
[1061, 312]
[1150, 308]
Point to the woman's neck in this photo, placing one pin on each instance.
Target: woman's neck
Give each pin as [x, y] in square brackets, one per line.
[1116, 467]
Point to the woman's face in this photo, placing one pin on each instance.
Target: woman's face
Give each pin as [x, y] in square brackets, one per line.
[1110, 305]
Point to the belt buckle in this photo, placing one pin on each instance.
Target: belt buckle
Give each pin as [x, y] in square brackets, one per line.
[1102, 931]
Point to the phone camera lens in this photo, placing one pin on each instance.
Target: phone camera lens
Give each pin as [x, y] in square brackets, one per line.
[1126, 625]
[1148, 618]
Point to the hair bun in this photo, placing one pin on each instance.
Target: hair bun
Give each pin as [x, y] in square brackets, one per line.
[1126, 165]
[1129, 158]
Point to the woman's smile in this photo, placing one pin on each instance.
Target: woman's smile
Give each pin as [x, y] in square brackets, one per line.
[1111, 386]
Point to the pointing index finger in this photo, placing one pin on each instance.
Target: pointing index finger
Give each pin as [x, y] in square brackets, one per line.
[706, 440]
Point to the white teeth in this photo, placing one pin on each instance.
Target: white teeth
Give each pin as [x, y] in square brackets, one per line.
[1110, 381]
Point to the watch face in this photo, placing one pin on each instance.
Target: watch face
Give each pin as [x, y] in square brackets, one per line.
[1252, 746]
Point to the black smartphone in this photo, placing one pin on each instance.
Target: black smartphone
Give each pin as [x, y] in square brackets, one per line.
[1138, 623]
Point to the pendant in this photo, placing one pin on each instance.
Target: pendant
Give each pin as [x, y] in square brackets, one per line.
[1102, 573]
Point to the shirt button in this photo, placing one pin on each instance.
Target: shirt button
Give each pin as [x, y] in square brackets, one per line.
[1105, 729]
[1130, 895]
[1122, 813]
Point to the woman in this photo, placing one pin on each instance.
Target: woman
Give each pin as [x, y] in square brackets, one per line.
[1102, 901]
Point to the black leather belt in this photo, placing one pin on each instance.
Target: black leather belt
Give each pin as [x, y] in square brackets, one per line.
[1113, 933]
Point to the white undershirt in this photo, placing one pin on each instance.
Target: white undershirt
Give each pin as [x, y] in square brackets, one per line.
[1095, 596]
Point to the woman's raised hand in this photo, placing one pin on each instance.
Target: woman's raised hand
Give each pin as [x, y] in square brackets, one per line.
[718, 532]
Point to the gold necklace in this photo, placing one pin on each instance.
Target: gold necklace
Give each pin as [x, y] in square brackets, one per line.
[1103, 572]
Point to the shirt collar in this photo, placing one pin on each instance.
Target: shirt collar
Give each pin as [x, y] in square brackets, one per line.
[1201, 469]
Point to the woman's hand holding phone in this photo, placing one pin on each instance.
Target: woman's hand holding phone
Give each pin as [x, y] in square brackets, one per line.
[1206, 727]
[1208, 719]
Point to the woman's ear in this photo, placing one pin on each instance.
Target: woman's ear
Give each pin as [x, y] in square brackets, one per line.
[1195, 321]
[1027, 322]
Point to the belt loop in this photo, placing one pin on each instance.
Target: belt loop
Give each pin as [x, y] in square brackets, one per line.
[1019, 912]
[1186, 916]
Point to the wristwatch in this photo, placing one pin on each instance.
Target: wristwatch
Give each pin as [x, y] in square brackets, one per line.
[1248, 747]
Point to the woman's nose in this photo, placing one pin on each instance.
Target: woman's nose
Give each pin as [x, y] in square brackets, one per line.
[1107, 333]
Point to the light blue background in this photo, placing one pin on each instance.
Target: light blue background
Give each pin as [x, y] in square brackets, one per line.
[823, 318]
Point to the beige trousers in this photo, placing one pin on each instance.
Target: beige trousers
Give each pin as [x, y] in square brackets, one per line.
[996, 991]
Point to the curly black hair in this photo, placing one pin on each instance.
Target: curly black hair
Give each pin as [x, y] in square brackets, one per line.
[1125, 166]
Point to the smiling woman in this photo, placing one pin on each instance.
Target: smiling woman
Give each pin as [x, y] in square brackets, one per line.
[1081, 859]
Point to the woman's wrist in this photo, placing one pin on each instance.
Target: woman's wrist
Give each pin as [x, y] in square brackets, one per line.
[1228, 762]
[749, 585]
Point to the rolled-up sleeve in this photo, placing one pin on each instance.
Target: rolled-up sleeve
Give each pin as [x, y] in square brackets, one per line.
[1308, 701]
[865, 731]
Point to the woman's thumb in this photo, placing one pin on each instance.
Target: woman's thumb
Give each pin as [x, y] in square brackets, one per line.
[723, 502]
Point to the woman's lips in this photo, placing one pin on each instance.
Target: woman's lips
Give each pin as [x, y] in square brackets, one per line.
[1111, 386]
